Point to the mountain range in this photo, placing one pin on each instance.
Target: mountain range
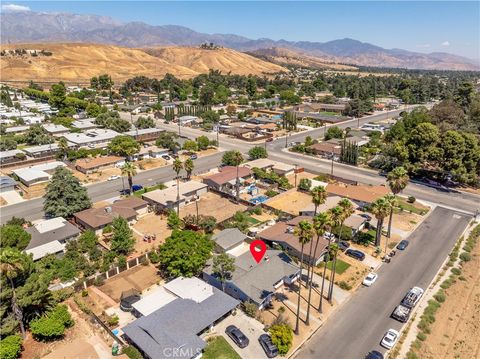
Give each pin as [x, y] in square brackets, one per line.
[33, 27]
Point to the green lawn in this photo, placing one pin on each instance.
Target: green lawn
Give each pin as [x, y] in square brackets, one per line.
[340, 268]
[411, 207]
[253, 220]
[218, 348]
[148, 189]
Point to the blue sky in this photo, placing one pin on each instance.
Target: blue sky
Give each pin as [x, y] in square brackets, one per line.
[429, 26]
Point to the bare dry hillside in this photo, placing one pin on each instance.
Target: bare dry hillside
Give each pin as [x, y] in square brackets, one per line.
[78, 62]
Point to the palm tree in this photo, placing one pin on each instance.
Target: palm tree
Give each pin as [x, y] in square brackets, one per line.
[337, 219]
[320, 224]
[63, 145]
[380, 209]
[319, 196]
[397, 180]
[392, 202]
[12, 264]
[177, 167]
[129, 170]
[237, 159]
[347, 211]
[304, 232]
[188, 165]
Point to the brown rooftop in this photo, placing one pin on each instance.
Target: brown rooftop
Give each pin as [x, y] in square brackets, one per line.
[90, 163]
[228, 173]
[363, 193]
[98, 217]
[327, 147]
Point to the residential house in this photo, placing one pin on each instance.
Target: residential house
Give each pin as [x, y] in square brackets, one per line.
[168, 198]
[282, 234]
[7, 184]
[16, 130]
[98, 218]
[84, 124]
[55, 130]
[228, 239]
[42, 150]
[173, 317]
[362, 195]
[280, 168]
[188, 120]
[150, 152]
[225, 179]
[50, 236]
[327, 149]
[252, 281]
[97, 138]
[145, 134]
[10, 156]
[37, 174]
[92, 165]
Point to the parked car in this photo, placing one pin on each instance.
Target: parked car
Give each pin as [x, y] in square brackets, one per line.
[194, 156]
[401, 313]
[237, 336]
[355, 254]
[370, 279]
[374, 355]
[402, 245]
[389, 339]
[113, 178]
[270, 139]
[412, 297]
[166, 157]
[268, 347]
[343, 245]
[136, 187]
[125, 191]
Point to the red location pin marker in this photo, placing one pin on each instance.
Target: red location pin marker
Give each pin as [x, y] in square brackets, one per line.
[258, 249]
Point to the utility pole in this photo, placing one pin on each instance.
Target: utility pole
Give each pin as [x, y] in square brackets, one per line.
[296, 175]
[331, 171]
[178, 195]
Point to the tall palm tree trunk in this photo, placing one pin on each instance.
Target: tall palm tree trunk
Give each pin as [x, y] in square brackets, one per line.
[310, 280]
[16, 309]
[178, 196]
[320, 308]
[130, 183]
[334, 267]
[379, 232]
[297, 324]
[308, 283]
[390, 223]
[237, 185]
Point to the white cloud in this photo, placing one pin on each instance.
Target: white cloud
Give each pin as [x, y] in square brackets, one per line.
[14, 7]
[445, 43]
[423, 46]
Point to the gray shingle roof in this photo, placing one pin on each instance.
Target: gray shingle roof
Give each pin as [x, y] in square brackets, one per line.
[66, 231]
[229, 238]
[177, 325]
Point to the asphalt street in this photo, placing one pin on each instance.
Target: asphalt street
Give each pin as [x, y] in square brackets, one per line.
[359, 325]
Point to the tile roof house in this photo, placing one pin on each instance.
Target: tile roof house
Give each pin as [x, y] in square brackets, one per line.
[279, 168]
[185, 308]
[327, 148]
[91, 165]
[360, 194]
[282, 234]
[256, 282]
[225, 179]
[50, 237]
[98, 218]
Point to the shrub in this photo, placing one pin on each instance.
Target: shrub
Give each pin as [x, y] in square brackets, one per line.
[411, 199]
[250, 309]
[440, 297]
[132, 352]
[421, 336]
[412, 355]
[305, 184]
[84, 293]
[113, 320]
[46, 328]
[10, 347]
[271, 193]
[465, 257]
[282, 337]
[257, 210]
[344, 285]
[154, 257]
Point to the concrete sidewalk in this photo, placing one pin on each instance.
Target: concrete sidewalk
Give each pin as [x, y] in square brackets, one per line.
[339, 295]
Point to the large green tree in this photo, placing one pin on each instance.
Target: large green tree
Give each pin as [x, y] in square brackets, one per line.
[65, 195]
[257, 152]
[185, 253]
[223, 267]
[14, 236]
[122, 241]
[125, 146]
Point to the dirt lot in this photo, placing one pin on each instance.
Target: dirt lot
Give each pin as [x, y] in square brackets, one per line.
[81, 341]
[150, 224]
[151, 163]
[291, 178]
[212, 204]
[457, 323]
[35, 191]
[99, 176]
[3, 202]
[291, 201]
[140, 278]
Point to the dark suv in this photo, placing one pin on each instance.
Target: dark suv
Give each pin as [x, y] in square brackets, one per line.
[355, 254]
[374, 355]
[266, 342]
[402, 245]
[237, 336]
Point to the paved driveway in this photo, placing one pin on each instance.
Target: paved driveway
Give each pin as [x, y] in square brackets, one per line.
[250, 327]
[360, 324]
